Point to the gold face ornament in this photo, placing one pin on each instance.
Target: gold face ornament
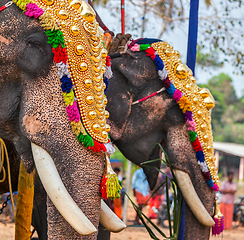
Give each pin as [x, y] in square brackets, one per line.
[201, 100]
[86, 60]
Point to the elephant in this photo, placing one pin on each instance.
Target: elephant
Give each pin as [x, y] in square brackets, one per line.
[137, 128]
[36, 129]
[34, 112]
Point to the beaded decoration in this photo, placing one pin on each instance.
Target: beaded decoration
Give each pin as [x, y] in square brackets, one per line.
[82, 65]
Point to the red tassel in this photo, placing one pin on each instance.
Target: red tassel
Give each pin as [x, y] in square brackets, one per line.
[108, 63]
[197, 145]
[103, 189]
[60, 54]
[219, 226]
[98, 147]
[151, 53]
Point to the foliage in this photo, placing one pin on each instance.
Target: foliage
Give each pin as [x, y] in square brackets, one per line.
[228, 113]
[210, 59]
[173, 225]
[118, 155]
[220, 24]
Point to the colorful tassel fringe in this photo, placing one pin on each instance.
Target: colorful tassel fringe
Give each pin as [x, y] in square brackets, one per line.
[110, 187]
[219, 221]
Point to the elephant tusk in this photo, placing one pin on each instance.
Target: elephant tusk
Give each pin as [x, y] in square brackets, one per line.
[58, 194]
[192, 199]
[110, 220]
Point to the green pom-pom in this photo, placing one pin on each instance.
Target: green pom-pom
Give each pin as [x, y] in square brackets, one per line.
[144, 47]
[86, 140]
[55, 38]
[193, 136]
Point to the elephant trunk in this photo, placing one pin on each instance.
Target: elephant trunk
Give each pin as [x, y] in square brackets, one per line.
[58, 193]
[44, 122]
[61, 198]
[81, 175]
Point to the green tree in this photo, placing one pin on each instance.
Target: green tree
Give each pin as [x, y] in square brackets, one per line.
[220, 23]
[228, 113]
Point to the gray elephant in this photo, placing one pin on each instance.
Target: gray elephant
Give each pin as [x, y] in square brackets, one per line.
[137, 127]
[29, 98]
[34, 121]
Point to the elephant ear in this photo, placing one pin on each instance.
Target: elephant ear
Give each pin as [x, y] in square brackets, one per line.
[119, 103]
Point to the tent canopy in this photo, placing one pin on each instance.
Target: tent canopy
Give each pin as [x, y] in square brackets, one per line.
[230, 148]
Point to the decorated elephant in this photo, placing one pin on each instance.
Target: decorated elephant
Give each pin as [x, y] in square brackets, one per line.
[153, 98]
[34, 112]
[53, 114]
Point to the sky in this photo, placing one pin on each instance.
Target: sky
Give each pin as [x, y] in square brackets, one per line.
[177, 37]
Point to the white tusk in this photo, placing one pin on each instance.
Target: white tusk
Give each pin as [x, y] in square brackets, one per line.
[192, 199]
[110, 220]
[58, 194]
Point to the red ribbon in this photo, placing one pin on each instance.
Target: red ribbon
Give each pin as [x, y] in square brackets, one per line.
[8, 4]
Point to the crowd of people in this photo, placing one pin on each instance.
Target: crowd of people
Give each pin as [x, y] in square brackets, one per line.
[142, 194]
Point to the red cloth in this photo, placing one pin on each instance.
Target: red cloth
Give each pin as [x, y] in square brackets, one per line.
[153, 202]
[227, 210]
[140, 198]
[118, 207]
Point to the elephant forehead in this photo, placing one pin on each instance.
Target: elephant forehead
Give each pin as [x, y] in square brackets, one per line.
[13, 23]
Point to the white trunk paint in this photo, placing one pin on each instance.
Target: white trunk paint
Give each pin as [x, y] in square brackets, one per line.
[192, 199]
[58, 194]
[110, 220]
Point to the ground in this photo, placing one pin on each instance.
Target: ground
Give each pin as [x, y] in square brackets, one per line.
[7, 233]
[131, 233]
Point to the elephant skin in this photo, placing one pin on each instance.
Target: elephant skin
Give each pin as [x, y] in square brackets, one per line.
[135, 129]
[33, 110]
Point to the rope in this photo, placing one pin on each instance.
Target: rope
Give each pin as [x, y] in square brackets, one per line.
[2, 161]
[4, 150]
[152, 95]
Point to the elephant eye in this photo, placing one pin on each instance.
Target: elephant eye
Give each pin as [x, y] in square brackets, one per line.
[35, 44]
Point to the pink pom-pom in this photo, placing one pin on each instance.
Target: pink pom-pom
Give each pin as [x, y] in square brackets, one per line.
[32, 10]
[73, 112]
[135, 48]
[219, 225]
[177, 95]
[191, 125]
[215, 187]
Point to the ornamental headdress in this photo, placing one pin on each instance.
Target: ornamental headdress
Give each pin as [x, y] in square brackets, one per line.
[195, 104]
[83, 68]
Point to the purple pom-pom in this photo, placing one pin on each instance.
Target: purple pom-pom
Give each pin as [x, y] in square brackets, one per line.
[188, 116]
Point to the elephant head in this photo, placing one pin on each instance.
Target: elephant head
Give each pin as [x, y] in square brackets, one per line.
[136, 128]
[34, 122]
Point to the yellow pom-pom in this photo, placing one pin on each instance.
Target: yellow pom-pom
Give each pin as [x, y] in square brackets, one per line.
[69, 98]
[22, 4]
[77, 127]
[113, 187]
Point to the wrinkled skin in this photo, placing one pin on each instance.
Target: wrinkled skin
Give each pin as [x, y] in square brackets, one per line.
[32, 110]
[135, 129]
